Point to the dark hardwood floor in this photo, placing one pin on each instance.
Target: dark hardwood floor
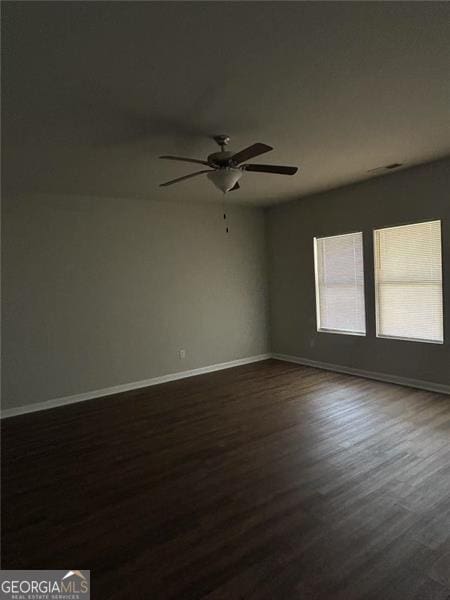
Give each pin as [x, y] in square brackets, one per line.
[265, 481]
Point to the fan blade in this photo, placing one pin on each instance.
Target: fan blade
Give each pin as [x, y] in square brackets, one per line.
[250, 152]
[278, 169]
[235, 187]
[182, 159]
[172, 181]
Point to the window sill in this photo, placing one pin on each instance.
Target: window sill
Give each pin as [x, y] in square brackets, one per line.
[405, 339]
[342, 332]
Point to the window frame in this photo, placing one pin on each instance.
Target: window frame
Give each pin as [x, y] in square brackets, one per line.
[320, 329]
[376, 285]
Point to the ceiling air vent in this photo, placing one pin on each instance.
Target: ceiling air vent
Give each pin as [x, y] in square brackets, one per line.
[386, 167]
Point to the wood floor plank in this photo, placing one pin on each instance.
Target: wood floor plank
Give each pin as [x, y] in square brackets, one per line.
[269, 480]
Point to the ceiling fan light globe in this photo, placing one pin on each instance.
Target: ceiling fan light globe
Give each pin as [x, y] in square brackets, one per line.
[226, 178]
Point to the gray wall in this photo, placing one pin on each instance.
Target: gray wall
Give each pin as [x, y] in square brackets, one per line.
[416, 194]
[101, 292]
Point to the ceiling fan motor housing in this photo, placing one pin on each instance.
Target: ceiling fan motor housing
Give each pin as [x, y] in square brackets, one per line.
[220, 159]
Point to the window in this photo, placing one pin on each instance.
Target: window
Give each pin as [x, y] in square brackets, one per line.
[340, 284]
[408, 282]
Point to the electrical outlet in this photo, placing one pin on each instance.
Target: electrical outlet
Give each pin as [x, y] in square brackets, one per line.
[182, 354]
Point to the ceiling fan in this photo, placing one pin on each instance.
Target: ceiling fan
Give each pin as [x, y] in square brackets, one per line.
[226, 168]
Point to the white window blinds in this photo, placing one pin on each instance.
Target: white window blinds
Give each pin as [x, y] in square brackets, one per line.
[340, 283]
[408, 282]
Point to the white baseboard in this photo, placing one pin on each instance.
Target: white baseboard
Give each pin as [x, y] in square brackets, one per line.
[29, 408]
[38, 406]
[415, 383]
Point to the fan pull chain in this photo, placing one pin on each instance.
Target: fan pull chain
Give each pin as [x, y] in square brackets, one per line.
[225, 215]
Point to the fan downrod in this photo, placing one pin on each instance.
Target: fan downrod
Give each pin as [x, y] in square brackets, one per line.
[222, 140]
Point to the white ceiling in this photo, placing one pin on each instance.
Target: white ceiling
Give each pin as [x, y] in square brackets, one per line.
[93, 92]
